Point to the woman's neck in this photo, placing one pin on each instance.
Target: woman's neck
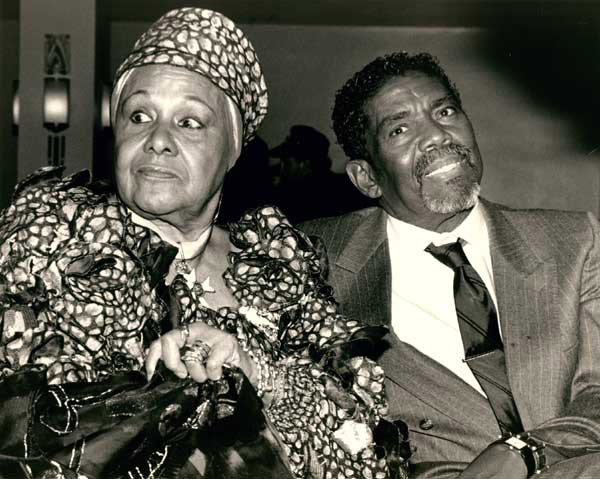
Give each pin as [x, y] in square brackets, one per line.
[170, 233]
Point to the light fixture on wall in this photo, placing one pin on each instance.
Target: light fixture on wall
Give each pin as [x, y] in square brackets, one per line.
[15, 105]
[105, 106]
[57, 68]
[56, 104]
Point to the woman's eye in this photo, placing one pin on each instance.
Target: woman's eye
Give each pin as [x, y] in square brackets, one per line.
[140, 117]
[398, 130]
[190, 123]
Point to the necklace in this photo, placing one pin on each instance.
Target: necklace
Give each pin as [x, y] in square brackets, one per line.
[196, 249]
[186, 267]
[182, 266]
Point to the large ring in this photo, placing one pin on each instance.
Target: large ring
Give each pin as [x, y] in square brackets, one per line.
[196, 353]
[184, 331]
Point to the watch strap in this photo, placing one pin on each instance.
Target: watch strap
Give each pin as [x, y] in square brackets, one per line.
[531, 450]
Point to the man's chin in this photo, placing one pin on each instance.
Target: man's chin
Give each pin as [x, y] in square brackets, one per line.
[457, 197]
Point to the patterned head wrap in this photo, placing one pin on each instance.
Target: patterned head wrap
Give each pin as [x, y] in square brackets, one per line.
[208, 43]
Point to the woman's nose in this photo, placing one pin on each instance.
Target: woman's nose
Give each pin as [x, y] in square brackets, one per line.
[160, 141]
[433, 135]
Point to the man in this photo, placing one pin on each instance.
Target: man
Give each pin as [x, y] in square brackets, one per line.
[535, 380]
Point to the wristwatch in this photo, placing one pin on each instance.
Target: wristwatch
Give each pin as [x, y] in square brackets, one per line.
[530, 449]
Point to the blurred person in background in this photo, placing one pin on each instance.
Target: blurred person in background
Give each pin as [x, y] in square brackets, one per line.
[248, 184]
[304, 185]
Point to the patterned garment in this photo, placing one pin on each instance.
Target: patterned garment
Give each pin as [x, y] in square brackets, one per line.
[81, 297]
[208, 43]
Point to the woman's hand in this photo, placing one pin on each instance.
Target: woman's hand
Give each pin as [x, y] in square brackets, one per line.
[224, 349]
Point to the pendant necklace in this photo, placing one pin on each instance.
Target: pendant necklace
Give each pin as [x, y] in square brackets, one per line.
[182, 266]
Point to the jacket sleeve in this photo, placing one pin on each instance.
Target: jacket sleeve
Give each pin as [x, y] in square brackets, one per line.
[576, 432]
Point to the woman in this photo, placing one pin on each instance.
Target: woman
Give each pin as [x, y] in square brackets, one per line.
[95, 288]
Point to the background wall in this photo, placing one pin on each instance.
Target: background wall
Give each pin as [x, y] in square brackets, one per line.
[530, 98]
[535, 154]
[9, 72]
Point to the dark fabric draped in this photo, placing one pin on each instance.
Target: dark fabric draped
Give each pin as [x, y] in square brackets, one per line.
[106, 429]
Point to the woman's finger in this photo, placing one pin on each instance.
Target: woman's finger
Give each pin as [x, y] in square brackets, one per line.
[221, 353]
[197, 371]
[203, 332]
[224, 349]
[154, 354]
[170, 344]
[221, 346]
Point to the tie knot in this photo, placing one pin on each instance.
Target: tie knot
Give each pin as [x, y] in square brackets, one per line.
[451, 254]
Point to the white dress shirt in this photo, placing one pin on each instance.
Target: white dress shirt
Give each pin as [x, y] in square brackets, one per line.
[423, 311]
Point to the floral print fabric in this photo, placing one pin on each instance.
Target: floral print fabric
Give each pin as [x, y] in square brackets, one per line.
[82, 296]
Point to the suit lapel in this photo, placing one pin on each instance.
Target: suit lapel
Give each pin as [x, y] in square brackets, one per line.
[525, 286]
[365, 254]
[366, 234]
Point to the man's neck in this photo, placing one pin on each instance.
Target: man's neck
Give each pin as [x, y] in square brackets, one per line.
[451, 222]
[439, 223]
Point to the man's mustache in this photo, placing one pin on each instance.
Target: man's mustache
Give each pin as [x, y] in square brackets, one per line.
[426, 159]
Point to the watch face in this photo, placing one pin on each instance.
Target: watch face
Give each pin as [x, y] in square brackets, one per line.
[516, 442]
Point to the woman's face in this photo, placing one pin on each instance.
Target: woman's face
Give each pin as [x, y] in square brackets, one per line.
[173, 144]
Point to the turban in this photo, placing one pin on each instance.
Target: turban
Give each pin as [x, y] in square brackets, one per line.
[208, 43]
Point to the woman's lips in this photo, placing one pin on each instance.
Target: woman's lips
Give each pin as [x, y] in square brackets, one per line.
[155, 172]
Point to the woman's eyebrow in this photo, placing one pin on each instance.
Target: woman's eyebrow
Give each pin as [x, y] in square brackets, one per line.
[145, 93]
[133, 94]
[197, 99]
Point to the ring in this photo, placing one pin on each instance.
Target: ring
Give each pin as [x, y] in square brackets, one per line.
[184, 331]
[196, 353]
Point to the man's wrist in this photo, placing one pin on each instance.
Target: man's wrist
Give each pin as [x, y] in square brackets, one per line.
[531, 451]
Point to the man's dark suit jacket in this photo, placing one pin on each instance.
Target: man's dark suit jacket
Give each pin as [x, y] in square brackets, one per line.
[546, 269]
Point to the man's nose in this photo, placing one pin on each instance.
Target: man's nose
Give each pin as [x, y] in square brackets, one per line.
[160, 140]
[433, 135]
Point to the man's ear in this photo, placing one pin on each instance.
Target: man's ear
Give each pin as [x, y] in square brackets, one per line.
[363, 177]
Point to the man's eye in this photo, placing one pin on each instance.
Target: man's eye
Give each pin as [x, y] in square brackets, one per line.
[398, 130]
[140, 117]
[191, 123]
[448, 111]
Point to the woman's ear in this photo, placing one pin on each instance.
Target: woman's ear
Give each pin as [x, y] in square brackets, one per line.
[362, 175]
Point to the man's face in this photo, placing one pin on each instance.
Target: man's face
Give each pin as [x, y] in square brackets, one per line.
[424, 157]
[173, 143]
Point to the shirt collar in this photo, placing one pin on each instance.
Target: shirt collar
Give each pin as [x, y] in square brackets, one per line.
[473, 230]
[187, 250]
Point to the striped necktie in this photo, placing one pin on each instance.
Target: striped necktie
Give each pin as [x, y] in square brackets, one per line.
[478, 324]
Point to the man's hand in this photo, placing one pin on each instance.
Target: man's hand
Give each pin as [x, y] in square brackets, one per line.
[496, 462]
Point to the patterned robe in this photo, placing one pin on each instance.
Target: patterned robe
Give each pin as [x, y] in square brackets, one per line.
[82, 295]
